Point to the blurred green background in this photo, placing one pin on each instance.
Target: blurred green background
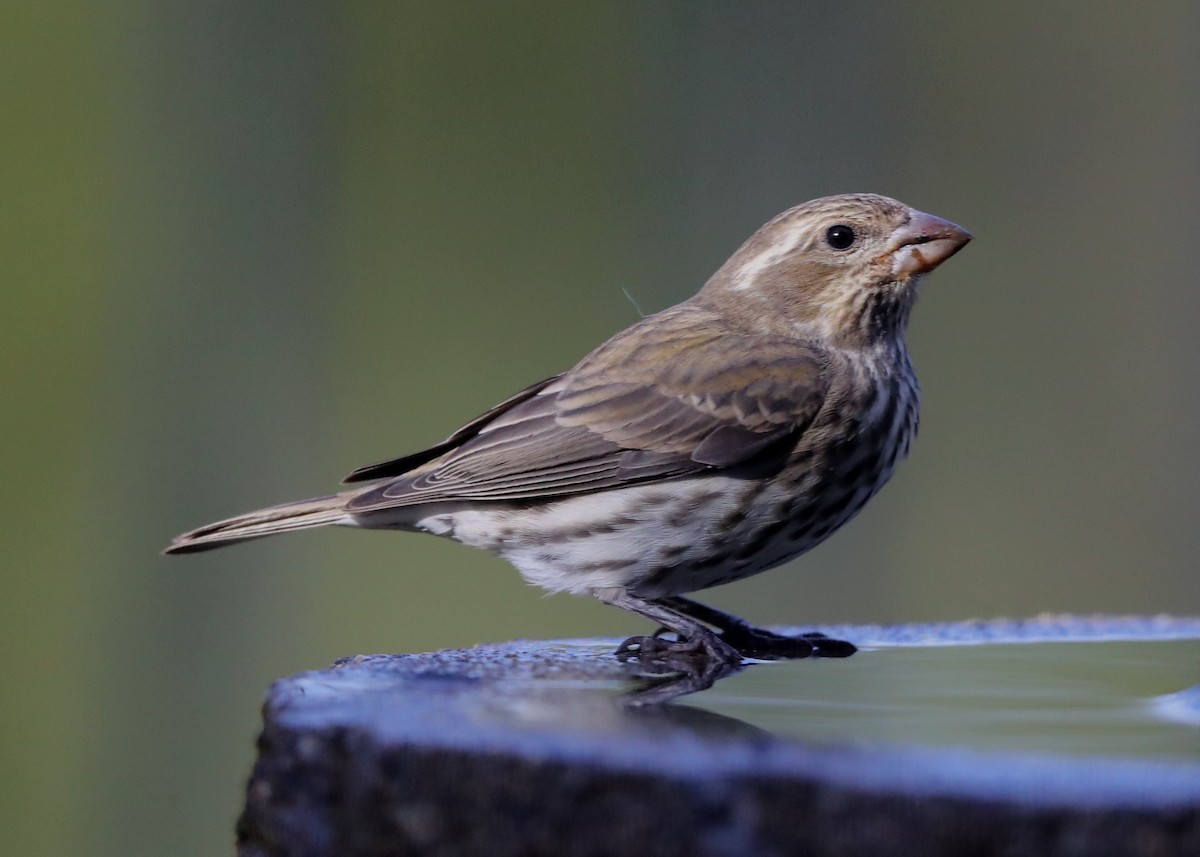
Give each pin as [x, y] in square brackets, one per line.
[247, 247]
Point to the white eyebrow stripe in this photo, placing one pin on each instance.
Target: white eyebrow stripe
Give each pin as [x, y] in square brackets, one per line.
[747, 274]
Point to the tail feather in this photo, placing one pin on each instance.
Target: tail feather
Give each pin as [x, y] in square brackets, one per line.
[317, 512]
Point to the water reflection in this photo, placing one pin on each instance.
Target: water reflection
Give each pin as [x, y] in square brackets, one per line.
[654, 685]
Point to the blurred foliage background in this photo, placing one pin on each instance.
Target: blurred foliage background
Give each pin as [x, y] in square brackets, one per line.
[248, 247]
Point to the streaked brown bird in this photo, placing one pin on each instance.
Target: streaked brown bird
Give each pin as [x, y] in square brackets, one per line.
[714, 440]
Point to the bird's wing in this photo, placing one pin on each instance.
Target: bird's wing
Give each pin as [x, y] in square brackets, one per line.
[655, 402]
[402, 465]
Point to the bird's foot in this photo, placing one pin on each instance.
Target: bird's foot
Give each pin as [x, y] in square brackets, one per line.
[767, 645]
[682, 654]
[672, 667]
[756, 642]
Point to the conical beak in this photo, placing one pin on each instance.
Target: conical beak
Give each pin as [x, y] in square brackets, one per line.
[923, 243]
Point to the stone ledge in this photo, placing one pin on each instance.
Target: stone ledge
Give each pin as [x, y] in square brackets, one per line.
[529, 749]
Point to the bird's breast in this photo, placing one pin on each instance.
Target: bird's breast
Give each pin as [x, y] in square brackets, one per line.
[840, 463]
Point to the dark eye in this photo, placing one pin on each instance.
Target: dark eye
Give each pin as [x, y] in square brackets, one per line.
[840, 237]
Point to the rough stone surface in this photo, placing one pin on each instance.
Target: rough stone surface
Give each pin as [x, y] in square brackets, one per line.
[531, 749]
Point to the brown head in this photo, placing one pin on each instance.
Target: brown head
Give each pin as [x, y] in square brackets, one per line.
[841, 269]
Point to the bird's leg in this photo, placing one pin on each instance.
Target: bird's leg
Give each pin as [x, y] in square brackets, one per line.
[758, 642]
[695, 643]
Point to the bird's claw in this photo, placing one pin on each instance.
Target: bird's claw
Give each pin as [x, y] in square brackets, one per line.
[827, 647]
[656, 648]
[749, 642]
[669, 668]
[681, 654]
[767, 645]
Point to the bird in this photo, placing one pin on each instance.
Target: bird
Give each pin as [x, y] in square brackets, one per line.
[711, 441]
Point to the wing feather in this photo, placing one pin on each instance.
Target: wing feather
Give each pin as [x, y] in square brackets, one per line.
[398, 466]
[679, 396]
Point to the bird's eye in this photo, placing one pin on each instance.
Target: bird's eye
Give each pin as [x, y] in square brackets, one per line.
[840, 237]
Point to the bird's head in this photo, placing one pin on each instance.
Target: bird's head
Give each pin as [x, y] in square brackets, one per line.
[842, 269]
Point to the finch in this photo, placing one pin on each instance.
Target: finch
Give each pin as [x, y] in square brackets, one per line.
[709, 442]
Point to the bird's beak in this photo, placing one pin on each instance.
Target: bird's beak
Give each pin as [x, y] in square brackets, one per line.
[923, 243]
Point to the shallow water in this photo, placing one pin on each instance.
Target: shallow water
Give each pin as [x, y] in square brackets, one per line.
[1138, 699]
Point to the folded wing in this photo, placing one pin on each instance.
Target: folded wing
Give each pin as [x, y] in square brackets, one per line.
[677, 397]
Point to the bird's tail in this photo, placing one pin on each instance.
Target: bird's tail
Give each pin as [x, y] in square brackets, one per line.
[317, 512]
